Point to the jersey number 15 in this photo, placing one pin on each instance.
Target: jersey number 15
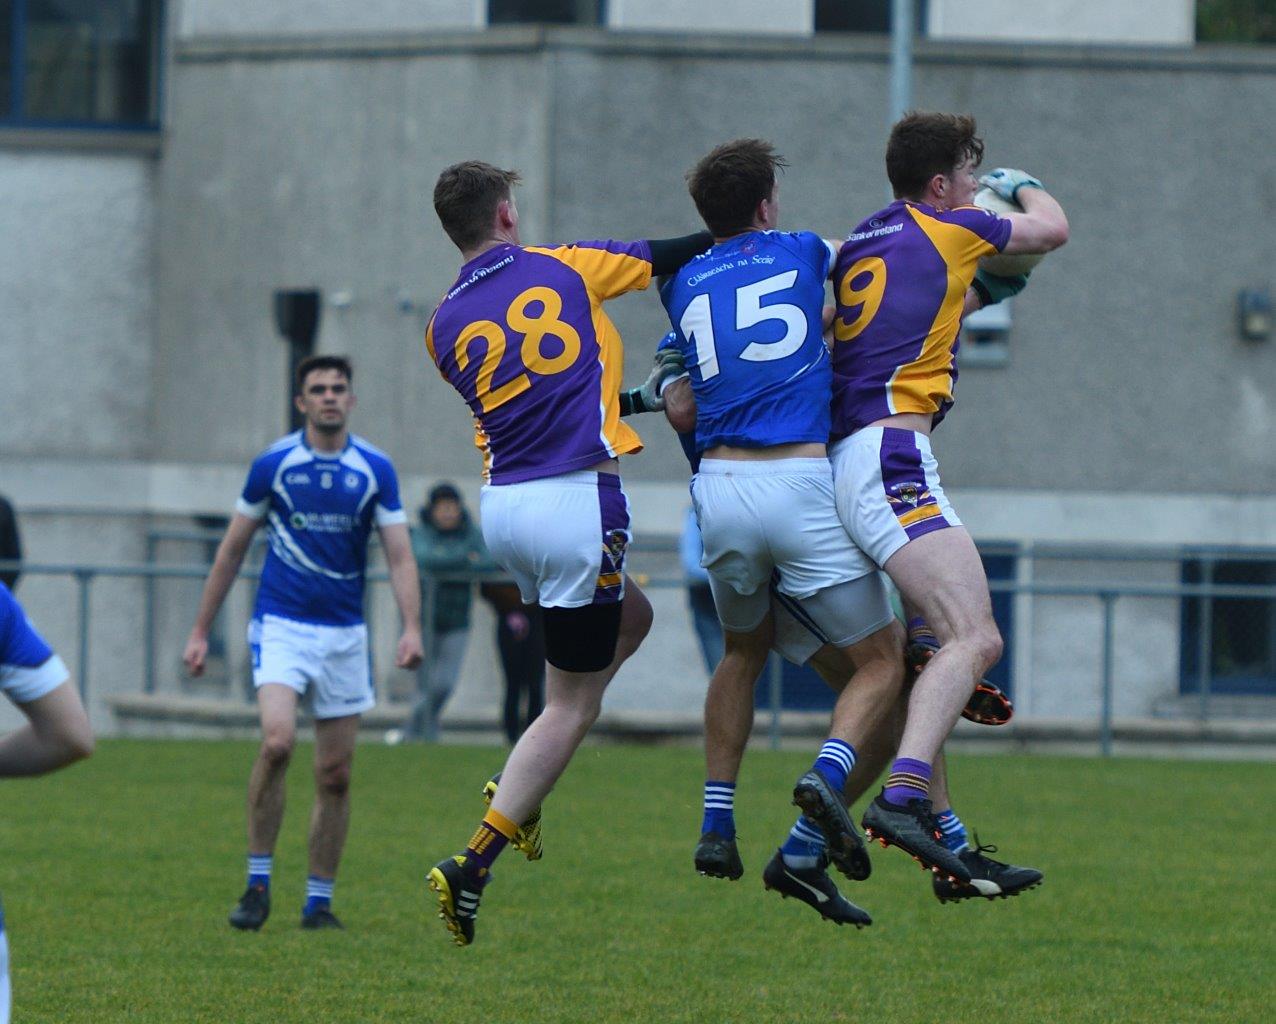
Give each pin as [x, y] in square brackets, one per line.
[697, 324]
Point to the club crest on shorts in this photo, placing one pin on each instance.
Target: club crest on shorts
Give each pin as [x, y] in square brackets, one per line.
[909, 494]
[614, 543]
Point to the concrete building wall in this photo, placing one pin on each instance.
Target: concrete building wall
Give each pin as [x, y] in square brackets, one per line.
[319, 173]
[77, 289]
[1125, 369]
[1129, 412]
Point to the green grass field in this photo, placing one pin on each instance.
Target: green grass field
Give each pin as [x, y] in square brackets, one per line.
[117, 876]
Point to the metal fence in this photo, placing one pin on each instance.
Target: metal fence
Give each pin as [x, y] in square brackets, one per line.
[1108, 594]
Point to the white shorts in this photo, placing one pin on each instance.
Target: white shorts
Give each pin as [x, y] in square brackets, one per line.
[562, 538]
[888, 490]
[777, 516]
[24, 684]
[333, 660]
[842, 616]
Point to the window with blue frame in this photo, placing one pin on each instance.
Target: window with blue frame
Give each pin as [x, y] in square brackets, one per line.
[1233, 637]
[80, 64]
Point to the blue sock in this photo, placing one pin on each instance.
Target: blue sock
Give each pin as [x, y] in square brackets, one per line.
[318, 893]
[837, 758]
[804, 845]
[954, 831]
[259, 866]
[909, 780]
[719, 809]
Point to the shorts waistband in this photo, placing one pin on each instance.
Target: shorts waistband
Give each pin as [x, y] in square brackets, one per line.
[764, 467]
[576, 477]
[884, 437]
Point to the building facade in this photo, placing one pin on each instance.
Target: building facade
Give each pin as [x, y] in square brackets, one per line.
[1124, 410]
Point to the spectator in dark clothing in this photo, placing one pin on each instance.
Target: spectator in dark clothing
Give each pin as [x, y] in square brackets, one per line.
[445, 542]
[10, 542]
[520, 638]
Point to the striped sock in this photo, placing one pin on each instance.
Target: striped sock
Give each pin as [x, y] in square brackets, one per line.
[490, 838]
[259, 867]
[803, 847]
[719, 809]
[318, 893]
[909, 780]
[954, 831]
[837, 758]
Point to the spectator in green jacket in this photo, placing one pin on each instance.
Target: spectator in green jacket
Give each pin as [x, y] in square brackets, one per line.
[445, 542]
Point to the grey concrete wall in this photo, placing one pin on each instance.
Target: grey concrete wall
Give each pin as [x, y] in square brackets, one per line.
[1129, 411]
[319, 173]
[76, 286]
[1059, 660]
[1125, 371]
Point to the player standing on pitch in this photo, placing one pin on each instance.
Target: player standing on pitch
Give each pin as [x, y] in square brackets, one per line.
[523, 338]
[57, 730]
[748, 320]
[320, 491]
[901, 284]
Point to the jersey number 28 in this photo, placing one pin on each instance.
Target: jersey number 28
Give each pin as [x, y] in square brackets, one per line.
[535, 329]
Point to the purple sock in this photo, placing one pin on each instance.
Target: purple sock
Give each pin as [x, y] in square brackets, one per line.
[909, 780]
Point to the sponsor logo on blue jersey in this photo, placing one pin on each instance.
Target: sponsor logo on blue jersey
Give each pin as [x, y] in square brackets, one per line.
[319, 510]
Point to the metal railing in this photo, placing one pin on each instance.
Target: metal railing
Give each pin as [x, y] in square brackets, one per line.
[1107, 593]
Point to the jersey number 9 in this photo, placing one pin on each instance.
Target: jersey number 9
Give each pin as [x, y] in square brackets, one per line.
[868, 297]
[535, 329]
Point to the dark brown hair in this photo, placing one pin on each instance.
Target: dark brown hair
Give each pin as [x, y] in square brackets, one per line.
[311, 363]
[465, 198]
[728, 184]
[925, 144]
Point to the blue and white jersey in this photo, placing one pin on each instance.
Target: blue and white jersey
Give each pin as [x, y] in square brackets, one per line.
[20, 645]
[319, 508]
[747, 315]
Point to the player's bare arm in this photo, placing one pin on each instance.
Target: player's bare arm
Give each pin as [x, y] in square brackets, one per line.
[407, 593]
[1043, 226]
[226, 563]
[680, 405]
[57, 734]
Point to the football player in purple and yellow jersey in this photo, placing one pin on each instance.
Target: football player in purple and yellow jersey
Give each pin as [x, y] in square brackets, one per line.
[901, 281]
[523, 338]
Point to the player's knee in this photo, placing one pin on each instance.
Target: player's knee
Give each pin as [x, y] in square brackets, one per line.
[988, 646]
[635, 622]
[276, 747]
[333, 778]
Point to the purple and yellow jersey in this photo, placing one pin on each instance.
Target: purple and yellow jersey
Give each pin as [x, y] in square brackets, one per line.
[901, 280]
[523, 337]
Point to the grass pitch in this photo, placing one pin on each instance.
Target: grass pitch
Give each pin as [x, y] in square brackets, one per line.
[118, 874]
